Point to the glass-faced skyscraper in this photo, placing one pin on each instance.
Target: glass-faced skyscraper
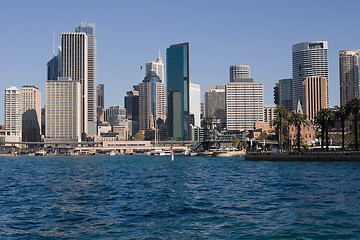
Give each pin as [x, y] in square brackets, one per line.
[177, 75]
[89, 29]
[309, 59]
[349, 75]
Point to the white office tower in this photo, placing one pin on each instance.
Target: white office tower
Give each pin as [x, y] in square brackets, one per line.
[349, 75]
[75, 66]
[195, 106]
[239, 72]
[62, 111]
[157, 67]
[309, 59]
[31, 113]
[13, 122]
[90, 31]
[244, 105]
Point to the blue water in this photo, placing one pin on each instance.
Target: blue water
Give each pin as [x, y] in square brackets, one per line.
[141, 197]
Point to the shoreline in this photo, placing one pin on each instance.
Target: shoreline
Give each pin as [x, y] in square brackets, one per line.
[305, 157]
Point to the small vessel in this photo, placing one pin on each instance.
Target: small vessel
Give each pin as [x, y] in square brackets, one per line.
[228, 153]
[40, 153]
[159, 152]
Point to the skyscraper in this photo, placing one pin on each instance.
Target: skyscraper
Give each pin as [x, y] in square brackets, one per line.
[244, 103]
[31, 113]
[316, 95]
[177, 75]
[349, 75]
[100, 100]
[62, 112]
[283, 93]
[239, 71]
[194, 90]
[75, 66]
[54, 66]
[152, 102]
[157, 67]
[131, 101]
[309, 59]
[90, 31]
[13, 122]
[214, 101]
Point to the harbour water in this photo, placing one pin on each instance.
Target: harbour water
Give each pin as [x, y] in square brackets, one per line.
[148, 197]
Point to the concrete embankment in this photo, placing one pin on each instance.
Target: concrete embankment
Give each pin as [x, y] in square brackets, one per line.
[323, 156]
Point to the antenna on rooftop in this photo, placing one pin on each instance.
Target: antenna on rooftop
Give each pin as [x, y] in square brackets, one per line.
[53, 43]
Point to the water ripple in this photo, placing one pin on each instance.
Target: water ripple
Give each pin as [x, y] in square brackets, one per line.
[138, 197]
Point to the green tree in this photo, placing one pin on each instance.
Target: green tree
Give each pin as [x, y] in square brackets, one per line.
[298, 120]
[235, 142]
[324, 118]
[281, 122]
[341, 114]
[244, 145]
[353, 108]
[139, 136]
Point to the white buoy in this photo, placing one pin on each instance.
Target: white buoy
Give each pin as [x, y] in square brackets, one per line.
[172, 154]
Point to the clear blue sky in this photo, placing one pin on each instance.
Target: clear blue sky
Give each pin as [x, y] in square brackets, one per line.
[221, 34]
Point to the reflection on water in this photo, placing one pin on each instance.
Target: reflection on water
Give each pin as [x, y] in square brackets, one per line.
[152, 197]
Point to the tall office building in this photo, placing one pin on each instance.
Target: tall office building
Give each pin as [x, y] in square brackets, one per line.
[195, 109]
[54, 66]
[214, 101]
[100, 101]
[152, 101]
[244, 102]
[283, 93]
[13, 122]
[316, 95]
[269, 113]
[114, 111]
[309, 59]
[31, 113]
[349, 75]
[157, 67]
[177, 75]
[62, 112]
[131, 102]
[90, 31]
[74, 65]
[239, 72]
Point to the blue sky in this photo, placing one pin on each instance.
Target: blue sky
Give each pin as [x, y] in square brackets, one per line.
[221, 34]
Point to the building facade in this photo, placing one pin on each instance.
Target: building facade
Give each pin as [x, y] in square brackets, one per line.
[100, 101]
[63, 110]
[244, 105]
[74, 57]
[13, 114]
[31, 113]
[54, 66]
[177, 75]
[283, 93]
[131, 101]
[269, 114]
[195, 109]
[239, 72]
[215, 107]
[349, 75]
[152, 102]
[157, 67]
[315, 95]
[90, 31]
[309, 59]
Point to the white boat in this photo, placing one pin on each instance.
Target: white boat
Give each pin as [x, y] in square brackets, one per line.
[228, 153]
[159, 152]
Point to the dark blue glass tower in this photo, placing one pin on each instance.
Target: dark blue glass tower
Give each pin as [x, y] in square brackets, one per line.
[177, 75]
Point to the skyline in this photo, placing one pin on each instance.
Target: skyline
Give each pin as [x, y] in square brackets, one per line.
[220, 35]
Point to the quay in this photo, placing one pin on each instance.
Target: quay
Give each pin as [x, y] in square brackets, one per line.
[330, 156]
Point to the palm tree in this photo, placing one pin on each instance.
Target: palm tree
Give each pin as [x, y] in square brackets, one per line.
[280, 122]
[341, 114]
[324, 118]
[298, 120]
[353, 107]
